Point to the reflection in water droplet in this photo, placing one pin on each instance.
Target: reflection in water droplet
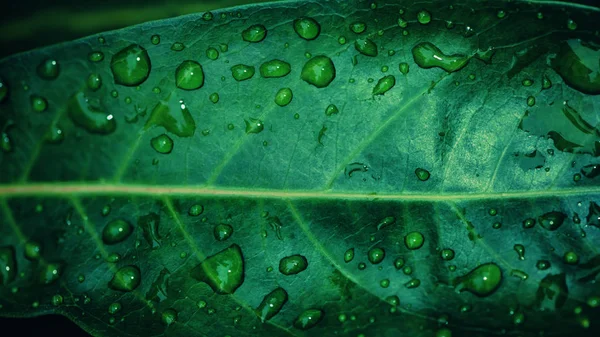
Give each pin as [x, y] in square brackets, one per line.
[126, 279]
[427, 55]
[283, 97]
[275, 68]
[271, 304]
[571, 258]
[174, 116]
[131, 66]
[242, 72]
[222, 232]
[376, 255]
[189, 75]
[358, 27]
[38, 103]
[223, 271]
[414, 240]
[291, 265]
[349, 255]
[424, 17]
[318, 71]
[89, 114]
[422, 174]
[552, 220]
[384, 85]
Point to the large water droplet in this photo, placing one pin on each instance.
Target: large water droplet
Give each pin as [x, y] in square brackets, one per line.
[48, 69]
[189, 75]
[427, 55]
[384, 84]
[242, 72]
[271, 304]
[376, 255]
[275, 68]
[577, 64]
[414, 240]
[116, 231]
[223, 271]
[318, 71]
[131, 66]
[222, 232]
[307, 28]
[150, 227]
[89, 114]
[366, 47]
[552, 220]
[174, 116]
[126, 279]
[254, 33]
[8, 265]
[308, 319]
[291, 265]
[481, 281]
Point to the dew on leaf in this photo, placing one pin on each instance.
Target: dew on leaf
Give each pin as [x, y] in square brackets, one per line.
[366, 47]
[520, 249]
[113, 258]
[362, 266]
[33, 250]
[447, 254]
[168, 317]
[57, 300]
[307, 28]
[283, 97]
[398, 263]
[155, 39]
[577, 64]
[530, 101]
[114, 307]
[552, 220]
[162, 144]
[413, 283]
[242, 72]
[376, 255]
[48, 69]
[177, 46]
[571, 258]
[422, 174]
[591, 171]
[271, 304]
[131, 66]
[358, 27]
[275, 68]
[89, 114]
[222, 232]
[481, 281]
[546, 82]
[308, 319]
[349, 255]
[423, 17]
[519, 274]
[254, 125]
[443, 332]
[116, 231]
[403, 67]
[331, 110]
[96, 56]
[291, 265]
[384, 85]
[195, 210]
[126, 279]
[212, 53]
[38, 103]
[414, 240]
[8, 265]
[149, 224]
[529, 223]
[223, 271]
[174, 116]
[593, 217]
[50, 272]
[254, 33]
[214, 98]
[402, 23]
[426, 55]
[393, 300]
[385, 222]
[189, 75]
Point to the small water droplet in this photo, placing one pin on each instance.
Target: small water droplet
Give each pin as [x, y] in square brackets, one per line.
[155, 39]
[223, 271]
[254, 125]
[358, 27]
[189, 75]
[283, 97]
[384, 85]
[332, 110]
[114, 307]
[481, 281]
[275, 68]
[414, 240]
[96, 56]
[403, 67]
[116, 231]
[89, 114]
[307, 28]
[422, 174]
[294, 264]
[414, 283]
[424, 17]
[162, 144]
[552, 220]
[126, 279]
[48, 69]
[254, 33]
[168, 317]
[308, 319]
[212, 53]
[33, 250]
[94, 82]
[447, 254]
[529, 223]
[57, 300]
[520, 249]
[376, 255]
[242, 72]
[366, 47]
[177, 46]
[38, 103]
[349, 255]
[571, 258]
[196, 210]
[8, 265]
[222, 232]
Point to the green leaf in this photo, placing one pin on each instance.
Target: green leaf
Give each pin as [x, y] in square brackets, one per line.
[440, 178]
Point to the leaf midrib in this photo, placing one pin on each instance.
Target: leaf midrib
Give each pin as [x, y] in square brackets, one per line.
[99, 189]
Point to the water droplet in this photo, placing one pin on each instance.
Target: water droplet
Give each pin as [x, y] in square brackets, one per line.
[387, 221]
[162, 144]
[254, 33]
[8, 265]
[168, 317]
[403, 67]
[414, 240]
[242, 72]
[271, 304]
[283, 97]
[96, 56]
[427, 55]
[308, 319]
[212, 53]
[552, 220]
[447, 254]
[223, 271]
[593, 217]
[275, 68]
[38, 103]
[33, 250]
[189, 75]
[384, 283]
[291, 265]
[593, 301]
[89, 114]
[57, 300]
[546, 82]
[530, 101]
[520, 249]
[3, 90]
[222, 232]
[577, 64]
[214, 97]
[116, 231]
[155, 39]
[527, 82]
[481, 281]
[376, 255]
[384, 84]
[113, 258]
[195, 210]
[349, 255]
[254, 125]
[318, 71]
[571, 25]
[174, 116]
[126, 279]
[366, 47]
[414, 283]
[307, 28]
[528, 223]
[358, 27]
[342, 40]
[591, 171]
[177, 46]
[48, 69]
[94, 82]
[519, 274]
[114, 307]
[424, 17]
[571, 258]
[150, 227]
[131, 66]
[331, 110]
[422, 174]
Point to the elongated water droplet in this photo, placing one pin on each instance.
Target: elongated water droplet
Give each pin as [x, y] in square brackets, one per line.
[481, 281]
[593, 217]
[174, 116]
[96, 56]
[414, 283]
[116, 231]
[307, 28]
[519, 274]
[89, 114]
[126, 279]
[358, 27]
[162, 144]
[271, 304]
[254, 125]
[318, 71]
[546, 82]
[177, 46]
[150, 227]
[552, 220]
[376, 255]
[242, 72]
[542, 264]
[275, 68]
[189, 75]
[283, 97]
[131, 66]
[223, 271]
[222, 232]
[8, 265]
[427, 55]
[520, 249]
[403, 67]
[349, 255]
[291, 265]
[254, 33]
[48, 273]
[366, 47]
[48, 69]
[384, 84]
[331, 110]
[385, 222]
[308, 319]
